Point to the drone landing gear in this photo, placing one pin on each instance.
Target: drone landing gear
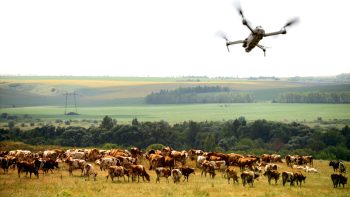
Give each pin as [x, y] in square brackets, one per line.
[262, 48]
[228, 43]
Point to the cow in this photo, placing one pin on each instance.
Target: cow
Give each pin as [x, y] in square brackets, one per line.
[89, 170]
[339, 179]
[135, 152]
[200, 160]
[105, 162]
[176, 174]
[116, 171]
[270, 166]
[307, 160]
[193, 154]
[294, 166]
[208, 167]
[272, 174]
[338, 165]
[139, 170]
[220, 166]
[4, 164]
[248, 177]
[299, 178]
[91, 154]
[75, 164]
[249, 162]
[186, 171]
[49, 164]
[162, 172]
[155, 161]
[27, 167]
[288, 177]
[231, 173]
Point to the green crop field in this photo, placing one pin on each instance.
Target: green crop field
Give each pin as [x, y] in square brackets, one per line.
[196, 112]
[59, 183]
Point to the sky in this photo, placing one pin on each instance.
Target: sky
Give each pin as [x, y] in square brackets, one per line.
[171, 38]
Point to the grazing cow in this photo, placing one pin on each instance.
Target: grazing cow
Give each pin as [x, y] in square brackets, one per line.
[116, 171]
[276, 158]
[155, 161]
[186, 171]
[162, 172]
[307, 160]
[176, 174]
[339, 179]
[135, 152]
[91, 154]
[49, 165]
[4, 164]
[342, 168]
[247, 161]
[208, 167]
[272, 174]
[248, 177]
[27, 167]
[139, 170]
[75, 164]
[89, 170]
[220, 166]
[287, 177]
[299, 177]
[298, 167]
[231, 173]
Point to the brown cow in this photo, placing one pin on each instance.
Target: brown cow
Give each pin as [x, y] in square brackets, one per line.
[288, 177]
[89, 170]
[75, 164]
[176, 174]
[139, 170]
[27, 167]
[231, 173]
[208, 167]
[116, 171]
[299, 177]
[339, 179]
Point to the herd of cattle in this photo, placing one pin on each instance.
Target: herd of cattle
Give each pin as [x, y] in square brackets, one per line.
[167, 163]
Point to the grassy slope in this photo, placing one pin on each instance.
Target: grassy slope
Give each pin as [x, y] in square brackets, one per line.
[61, 184]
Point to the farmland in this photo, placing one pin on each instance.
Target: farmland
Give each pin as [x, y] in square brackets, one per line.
[61, 184]
[196, 112]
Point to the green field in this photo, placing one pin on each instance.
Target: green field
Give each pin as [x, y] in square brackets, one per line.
[196, 112]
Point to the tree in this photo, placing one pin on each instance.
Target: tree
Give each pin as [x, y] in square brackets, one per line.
[107, 123]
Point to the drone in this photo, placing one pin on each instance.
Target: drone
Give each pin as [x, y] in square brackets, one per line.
[256, 34]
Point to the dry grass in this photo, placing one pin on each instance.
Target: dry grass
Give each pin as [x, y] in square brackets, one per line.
[61, 184]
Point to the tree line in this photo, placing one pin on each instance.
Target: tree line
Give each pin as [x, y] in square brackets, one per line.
[198, 94]
[236, 135]
[314, 97]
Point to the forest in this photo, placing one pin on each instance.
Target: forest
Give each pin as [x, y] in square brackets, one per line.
[236, 135]
[198, 94]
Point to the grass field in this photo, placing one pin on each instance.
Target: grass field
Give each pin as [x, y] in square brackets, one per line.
[197, 112]
[61, 184]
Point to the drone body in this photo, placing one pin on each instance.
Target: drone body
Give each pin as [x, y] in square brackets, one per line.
[256, 35]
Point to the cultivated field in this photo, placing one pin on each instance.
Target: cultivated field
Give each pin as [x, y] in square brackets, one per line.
[61, 184]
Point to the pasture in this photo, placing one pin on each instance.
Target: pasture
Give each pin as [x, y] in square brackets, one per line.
[195, 112]
[60, 183]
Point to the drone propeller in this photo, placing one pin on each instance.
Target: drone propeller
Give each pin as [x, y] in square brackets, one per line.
[291, 22]
[223, 36]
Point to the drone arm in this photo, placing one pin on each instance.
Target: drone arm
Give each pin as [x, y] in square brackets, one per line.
[283, 31]
[234, 42]
[262, 48]
[244, 21]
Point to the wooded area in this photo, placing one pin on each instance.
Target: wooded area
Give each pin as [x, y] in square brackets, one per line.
[237, 135]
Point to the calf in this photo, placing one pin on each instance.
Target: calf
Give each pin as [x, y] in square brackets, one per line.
[89, 170]
[231, 173]
[186, 171]
[116, 171]
[272, 174]
[162, 172]
[338, 179]
[176, 174]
